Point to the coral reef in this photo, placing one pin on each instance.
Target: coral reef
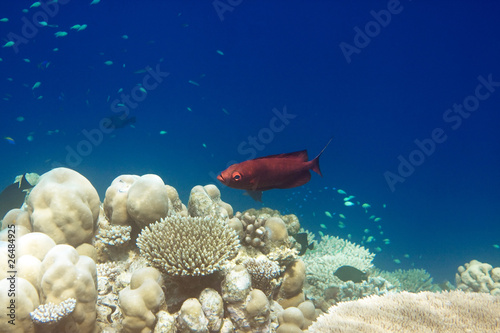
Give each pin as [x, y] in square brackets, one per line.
[165, 267]
[445, 312]
[190, 246]
[478, 277]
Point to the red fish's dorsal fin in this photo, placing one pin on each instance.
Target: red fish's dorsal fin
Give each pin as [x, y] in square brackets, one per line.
[315, 161]
[296, 155]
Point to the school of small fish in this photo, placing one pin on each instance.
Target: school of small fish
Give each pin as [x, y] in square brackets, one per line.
[62, 32]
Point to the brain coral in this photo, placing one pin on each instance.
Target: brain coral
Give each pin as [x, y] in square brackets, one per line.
[188, 246]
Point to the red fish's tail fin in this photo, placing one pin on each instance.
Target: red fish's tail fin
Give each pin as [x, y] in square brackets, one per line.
[315, 161]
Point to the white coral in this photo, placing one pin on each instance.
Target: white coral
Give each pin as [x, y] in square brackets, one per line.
[51, 313]
[188, 246]
[446, 312]
[330, 254]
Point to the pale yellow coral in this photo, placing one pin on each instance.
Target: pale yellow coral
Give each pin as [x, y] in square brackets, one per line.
[66, 274]
[188, 246]
[115, 200]
[18, 298]
[478, 277]
[140, 300]
[147, 200]
[17, 217]
[206, 200]
[65, 206]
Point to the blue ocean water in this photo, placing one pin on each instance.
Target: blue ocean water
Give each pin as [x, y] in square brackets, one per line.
[409, 90]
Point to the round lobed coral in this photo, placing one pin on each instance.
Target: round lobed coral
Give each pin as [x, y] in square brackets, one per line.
[141, 299]
[188, 246]
[478, 277]
[65, 274]
[65, 206]
[254, 231]
[206, 200]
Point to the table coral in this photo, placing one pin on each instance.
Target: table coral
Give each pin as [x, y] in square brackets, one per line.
[65, 206]
[446, 312]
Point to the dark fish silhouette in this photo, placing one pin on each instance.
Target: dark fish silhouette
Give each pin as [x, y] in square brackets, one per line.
[301, 238]
[13, 196]
[349, 273]
[117, 121]
[270, 172]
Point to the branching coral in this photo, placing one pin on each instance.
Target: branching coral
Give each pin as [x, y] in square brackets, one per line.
[188, 246]
[264, 273]
[412, 280]
[330, 254]
[50, 313]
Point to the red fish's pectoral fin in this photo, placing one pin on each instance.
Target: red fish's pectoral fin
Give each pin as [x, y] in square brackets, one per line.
[256, 195]
[297, 180]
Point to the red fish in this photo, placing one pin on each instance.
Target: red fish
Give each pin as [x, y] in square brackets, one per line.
[270, 172]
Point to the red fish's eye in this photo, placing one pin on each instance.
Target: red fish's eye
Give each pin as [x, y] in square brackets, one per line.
[236, 176]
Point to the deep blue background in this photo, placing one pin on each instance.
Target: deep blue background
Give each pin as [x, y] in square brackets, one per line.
[276, 54]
